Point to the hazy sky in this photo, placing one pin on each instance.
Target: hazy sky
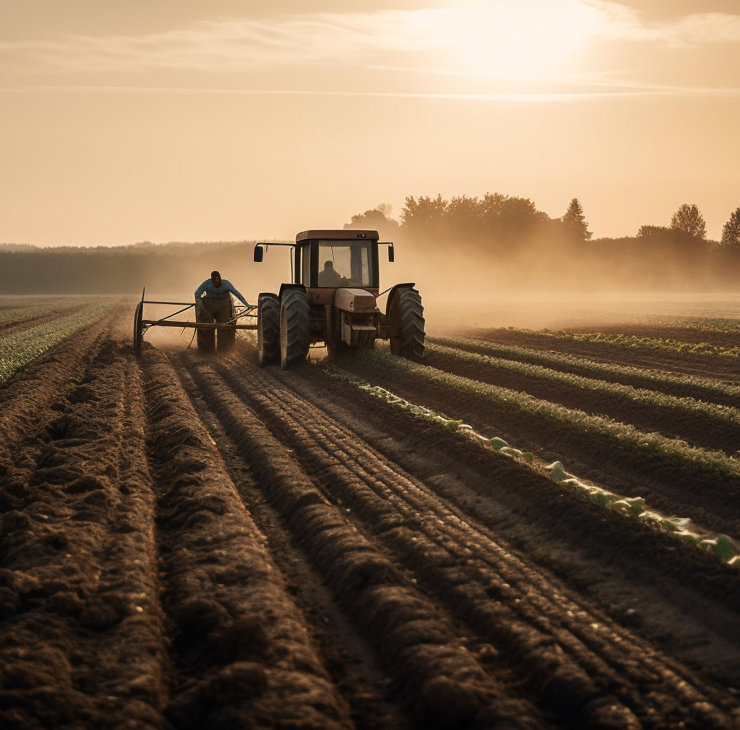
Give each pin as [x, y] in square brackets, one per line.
[172, 120]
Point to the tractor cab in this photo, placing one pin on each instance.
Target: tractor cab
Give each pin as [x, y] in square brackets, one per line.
[332, 259]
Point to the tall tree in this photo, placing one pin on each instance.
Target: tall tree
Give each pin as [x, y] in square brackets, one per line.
[377, 219]
[576, 221]
[463, 217]
[424, 214]
[731, 230]
[689, 220]
[510, 219]
[386, 209]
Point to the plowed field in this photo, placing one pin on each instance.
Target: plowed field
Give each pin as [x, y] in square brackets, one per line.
[194, 542]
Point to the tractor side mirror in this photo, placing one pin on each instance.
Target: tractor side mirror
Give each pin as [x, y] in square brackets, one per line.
[391, 253]
[259, 252]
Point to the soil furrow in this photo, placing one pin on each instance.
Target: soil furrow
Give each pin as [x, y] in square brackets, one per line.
[434, 674]
[537, 626]
[345, 653]
[241, 653]
[80, 586]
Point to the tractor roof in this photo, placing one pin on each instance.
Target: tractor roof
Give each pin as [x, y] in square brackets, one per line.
[337, 235]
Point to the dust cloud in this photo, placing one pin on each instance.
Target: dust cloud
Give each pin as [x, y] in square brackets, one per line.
[463, 291]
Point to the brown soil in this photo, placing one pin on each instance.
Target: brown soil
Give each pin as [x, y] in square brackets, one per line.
[190, 542]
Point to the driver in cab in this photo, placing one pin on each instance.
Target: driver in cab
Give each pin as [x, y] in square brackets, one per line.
[329, 276]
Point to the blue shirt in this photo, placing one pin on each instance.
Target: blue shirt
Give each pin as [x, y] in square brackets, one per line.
[221, 292]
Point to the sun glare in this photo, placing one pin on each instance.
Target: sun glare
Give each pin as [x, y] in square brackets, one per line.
[519, 38]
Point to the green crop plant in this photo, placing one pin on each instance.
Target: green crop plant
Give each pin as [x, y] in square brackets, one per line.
[20, 348]
[591, 368]
[722, 319]
[635, 342]
[693, 322]
[685, 405]
[18, 315]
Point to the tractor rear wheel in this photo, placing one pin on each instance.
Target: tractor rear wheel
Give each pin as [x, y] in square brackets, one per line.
[408, 314]
[295, 332]
[268, 330]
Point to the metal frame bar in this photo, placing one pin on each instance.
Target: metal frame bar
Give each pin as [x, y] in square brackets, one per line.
[197, 325]
[167, 322]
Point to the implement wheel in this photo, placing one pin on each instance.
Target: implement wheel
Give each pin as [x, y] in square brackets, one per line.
[138, 328]
[268, 330]
[226, 340]
[295, 333]
[206, 340]
[226, 336]
[407, 312]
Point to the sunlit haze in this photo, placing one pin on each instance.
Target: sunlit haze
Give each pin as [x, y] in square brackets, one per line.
[187, 121]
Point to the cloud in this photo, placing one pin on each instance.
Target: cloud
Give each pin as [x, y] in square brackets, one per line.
[699, 29]
[552, 28]
[235, 45]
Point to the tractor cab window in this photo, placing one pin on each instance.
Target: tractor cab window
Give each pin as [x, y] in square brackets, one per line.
[344, 264]
[306, 265]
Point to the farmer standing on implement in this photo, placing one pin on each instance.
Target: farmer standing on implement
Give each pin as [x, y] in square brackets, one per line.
[213, 304]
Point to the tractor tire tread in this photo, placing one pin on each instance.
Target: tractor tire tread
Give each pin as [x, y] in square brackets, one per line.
[268, 330]
[411, 315]
[295, 333]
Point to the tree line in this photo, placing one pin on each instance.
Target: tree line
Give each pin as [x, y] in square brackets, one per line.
[496, 220]
[520, 244]
[500, 217]
[176, 268]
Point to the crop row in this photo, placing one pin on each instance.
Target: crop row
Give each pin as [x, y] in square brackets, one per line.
[634, 342]
[570, 420]
[685, 405]
[642, 377]
[20, 348]
[723, 320]
[702, 324]
[25, 314]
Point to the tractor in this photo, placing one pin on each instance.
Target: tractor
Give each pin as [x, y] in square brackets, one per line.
[332, 300]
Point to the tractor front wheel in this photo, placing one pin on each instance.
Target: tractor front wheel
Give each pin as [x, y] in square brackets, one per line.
[407, 313]
[295, 332]
[268, 330]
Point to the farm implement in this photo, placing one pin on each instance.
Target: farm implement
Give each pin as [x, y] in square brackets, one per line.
[208, 332]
